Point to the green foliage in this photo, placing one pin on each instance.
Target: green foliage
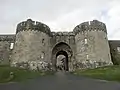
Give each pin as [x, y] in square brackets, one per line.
[18, 74]
[111, 73]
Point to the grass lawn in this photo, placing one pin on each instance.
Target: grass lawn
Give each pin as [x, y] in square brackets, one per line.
[19, 74]
[111, 73]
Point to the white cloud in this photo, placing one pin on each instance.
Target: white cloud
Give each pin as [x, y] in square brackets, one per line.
[60, 15]
[112, 20]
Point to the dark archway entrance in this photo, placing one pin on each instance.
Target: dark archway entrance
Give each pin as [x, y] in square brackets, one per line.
[62, 62]
[61, 49]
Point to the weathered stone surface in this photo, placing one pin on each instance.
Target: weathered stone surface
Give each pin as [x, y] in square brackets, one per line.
[37, 48]
[90, 64]
[32, 25]
[96, 48]
[31, 46]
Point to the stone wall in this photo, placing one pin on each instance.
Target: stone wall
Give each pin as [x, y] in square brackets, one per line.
[31, 46]
[115, 51]
[67, 38]
[94, 25]
[92, 43]
[33, 25]
[5, 51]
[34, 43]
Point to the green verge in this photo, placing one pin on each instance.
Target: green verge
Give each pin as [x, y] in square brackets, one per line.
[110, 73]
[19, 74]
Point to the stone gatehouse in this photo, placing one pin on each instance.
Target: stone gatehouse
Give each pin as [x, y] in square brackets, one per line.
[36, 47]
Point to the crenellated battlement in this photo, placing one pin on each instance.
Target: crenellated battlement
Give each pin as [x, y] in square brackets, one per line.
[9, 38]
[33, 25]
[94, 25]
[35, 47]
[62, 34]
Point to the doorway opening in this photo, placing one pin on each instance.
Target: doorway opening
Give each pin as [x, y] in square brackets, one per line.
[62, 61]
[66, 52]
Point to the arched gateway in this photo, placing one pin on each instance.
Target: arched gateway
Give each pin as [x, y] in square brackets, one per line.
[34, 43]
[61, 49]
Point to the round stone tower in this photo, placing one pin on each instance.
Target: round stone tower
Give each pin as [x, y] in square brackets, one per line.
[32, 43]
[92, 44]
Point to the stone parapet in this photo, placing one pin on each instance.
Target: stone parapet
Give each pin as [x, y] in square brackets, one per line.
[10, 38]
[63, 34]
[94, 25]
[33, 25]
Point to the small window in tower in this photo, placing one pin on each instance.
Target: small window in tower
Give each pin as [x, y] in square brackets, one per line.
[42, 40]
[85, 41]
[118, 49]
[87, 56]
[42, 55]
[11, 45]
[89, 22]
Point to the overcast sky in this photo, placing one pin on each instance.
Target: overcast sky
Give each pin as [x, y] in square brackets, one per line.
[60, 15]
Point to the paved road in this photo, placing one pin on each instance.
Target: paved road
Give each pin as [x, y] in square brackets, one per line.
[62, 81]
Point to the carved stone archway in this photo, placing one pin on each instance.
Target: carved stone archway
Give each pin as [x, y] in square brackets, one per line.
[61, 49]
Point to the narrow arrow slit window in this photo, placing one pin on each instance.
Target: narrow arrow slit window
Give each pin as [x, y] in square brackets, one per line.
[11, 45]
